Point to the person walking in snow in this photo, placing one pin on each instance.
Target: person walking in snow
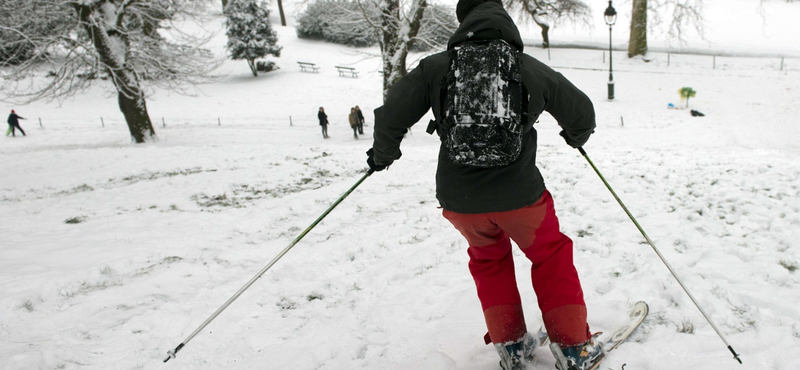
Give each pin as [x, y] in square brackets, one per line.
[323, 122]
[13, 124]
[353, 117]
[360, 120]
[491, 206]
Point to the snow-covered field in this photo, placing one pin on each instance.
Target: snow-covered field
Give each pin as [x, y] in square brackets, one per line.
[113, 253]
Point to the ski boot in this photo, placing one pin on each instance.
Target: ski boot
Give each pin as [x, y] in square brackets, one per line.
[514, 354]
[581, 357]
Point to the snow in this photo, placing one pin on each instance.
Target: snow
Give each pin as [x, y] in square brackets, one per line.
[162, 234]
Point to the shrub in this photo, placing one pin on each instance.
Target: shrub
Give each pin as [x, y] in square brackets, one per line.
[263, 66]
[342, 22]
[339, 22]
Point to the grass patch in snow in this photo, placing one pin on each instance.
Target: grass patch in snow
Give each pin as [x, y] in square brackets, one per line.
[27, 305]
[789, 265]
[75, 220]
[686, 327]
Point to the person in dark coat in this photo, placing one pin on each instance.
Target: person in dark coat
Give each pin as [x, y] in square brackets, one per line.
[360, 120]
[323, 121]
[353, 118]
[491, 206]
[13, 123]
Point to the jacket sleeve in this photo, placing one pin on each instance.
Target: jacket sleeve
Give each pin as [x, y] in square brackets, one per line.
[405, 104]
[572, 109]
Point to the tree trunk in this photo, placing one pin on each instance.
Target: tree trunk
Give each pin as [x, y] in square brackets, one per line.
[280, 9]
[637, 44]
[390, 27]
[545, 36]
[536, 13]
[111, 47]
[252, 64]
[134, 109]
[394, 45]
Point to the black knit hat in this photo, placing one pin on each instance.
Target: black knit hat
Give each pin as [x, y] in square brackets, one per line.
[465, 6]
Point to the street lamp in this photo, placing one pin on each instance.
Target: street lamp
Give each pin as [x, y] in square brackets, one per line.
[611, 18]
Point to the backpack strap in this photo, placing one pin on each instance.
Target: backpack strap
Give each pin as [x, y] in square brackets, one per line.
[441, 126]
[525, 102]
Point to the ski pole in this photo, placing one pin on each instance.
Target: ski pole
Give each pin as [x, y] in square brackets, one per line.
[735, 355]
[173, 353]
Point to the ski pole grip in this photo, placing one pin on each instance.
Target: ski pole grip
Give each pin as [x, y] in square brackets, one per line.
[583, 152]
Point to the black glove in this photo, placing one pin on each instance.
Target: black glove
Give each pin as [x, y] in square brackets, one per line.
[568, 140]
[371, 161]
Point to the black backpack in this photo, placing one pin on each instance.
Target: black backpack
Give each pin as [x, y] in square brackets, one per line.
[484, 105]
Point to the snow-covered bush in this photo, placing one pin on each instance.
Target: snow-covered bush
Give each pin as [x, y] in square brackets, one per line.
[250, 34]
[343, 22]
[311, 23]
[263, 66]
[338, 21]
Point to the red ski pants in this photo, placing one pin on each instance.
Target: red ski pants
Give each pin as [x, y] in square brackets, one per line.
[536, 231]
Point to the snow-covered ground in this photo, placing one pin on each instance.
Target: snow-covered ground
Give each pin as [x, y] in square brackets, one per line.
[113, 253]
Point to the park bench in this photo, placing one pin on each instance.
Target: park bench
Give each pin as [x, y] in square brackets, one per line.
[343, 70]
[308, 67]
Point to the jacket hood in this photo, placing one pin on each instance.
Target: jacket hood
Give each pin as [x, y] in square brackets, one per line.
[487, 16]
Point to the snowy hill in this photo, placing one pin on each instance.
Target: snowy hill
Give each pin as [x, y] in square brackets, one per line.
[113, 253]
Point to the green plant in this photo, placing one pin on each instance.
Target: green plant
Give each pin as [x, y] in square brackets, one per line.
[686, 93]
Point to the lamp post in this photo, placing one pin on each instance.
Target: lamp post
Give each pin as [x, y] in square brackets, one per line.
[611, 18]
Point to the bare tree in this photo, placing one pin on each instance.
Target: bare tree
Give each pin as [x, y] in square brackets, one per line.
[673, 15]
[439, 23]
[397, 28]
[116, 40]
[547, 13]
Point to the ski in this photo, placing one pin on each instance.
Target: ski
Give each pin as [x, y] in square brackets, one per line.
[637, 316]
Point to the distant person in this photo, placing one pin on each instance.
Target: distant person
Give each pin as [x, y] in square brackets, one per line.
[323, 121]
[360, 121]
[353, 117]
[13, 124]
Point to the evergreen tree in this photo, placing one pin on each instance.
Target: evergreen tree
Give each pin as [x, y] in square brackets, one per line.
[250, 35]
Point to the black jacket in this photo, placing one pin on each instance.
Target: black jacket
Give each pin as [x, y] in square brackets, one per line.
[13, 119]
[467, 189]
[323, 118]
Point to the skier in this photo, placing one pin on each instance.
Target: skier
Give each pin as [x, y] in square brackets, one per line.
[13, 124]
[491, 206]
[323, 121]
